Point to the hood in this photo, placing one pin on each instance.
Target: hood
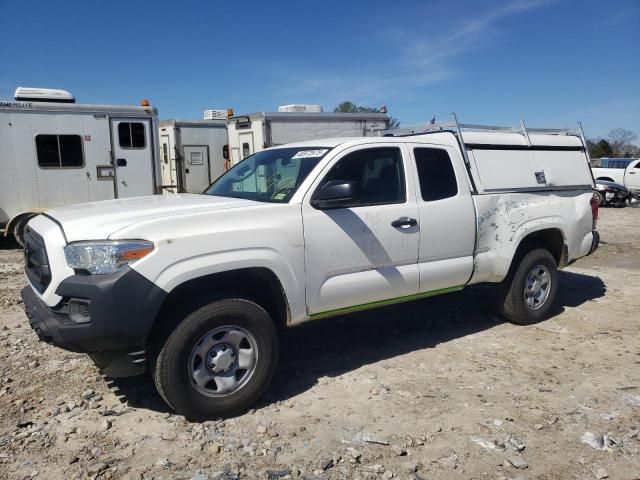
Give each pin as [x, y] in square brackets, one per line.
[99, 220]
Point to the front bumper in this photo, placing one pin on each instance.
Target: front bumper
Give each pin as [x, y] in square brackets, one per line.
[121, 309]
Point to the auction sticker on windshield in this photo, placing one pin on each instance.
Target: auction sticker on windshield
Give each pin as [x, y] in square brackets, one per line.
[310, 153]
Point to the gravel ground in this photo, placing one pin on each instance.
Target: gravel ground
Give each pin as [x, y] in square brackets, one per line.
[439, 388]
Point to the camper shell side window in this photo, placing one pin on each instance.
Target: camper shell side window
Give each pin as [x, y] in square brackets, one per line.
[131, 135]
[59, 151]
[435, 173]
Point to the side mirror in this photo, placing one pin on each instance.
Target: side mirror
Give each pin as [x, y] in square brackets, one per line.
[336, 194]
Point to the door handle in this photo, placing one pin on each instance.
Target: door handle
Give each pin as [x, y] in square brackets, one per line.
[404, 222]
[632, 173]
[121, 162]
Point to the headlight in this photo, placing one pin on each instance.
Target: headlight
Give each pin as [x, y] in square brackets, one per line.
[103, 257]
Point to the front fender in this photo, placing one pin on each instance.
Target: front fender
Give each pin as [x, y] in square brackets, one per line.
[189, 268]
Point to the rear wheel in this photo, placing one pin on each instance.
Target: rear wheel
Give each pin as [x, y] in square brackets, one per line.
[528, 293]
[218, 360]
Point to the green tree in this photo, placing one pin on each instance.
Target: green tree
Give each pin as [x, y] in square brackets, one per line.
[600, 149]
[350, 107]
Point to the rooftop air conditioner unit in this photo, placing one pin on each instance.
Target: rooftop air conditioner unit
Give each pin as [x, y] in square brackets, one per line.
[43, 95]
[298, 107]
[215, 114]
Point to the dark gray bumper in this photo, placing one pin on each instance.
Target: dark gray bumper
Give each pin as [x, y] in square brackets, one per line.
[121, 309]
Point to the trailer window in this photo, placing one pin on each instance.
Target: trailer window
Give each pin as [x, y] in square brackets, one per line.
[165, 153]
[246, 151]
[59, 151]
[131, 135]
[436, 175]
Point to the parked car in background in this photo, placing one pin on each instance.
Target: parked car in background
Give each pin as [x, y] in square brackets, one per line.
[611, 194]
[624, 171]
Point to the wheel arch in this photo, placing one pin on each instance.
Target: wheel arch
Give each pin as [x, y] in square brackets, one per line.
[258, 284]
[551, 239]
[13, 221]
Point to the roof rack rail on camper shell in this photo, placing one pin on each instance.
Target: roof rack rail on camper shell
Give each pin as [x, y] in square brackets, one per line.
[458, 128]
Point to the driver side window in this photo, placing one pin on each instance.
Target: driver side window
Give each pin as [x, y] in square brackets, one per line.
[378, 173]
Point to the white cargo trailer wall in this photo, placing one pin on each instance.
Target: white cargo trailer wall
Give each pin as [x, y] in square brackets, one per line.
[29, 185]
[191, 153]
[61, 154]
[245, 138]
[284, 131]
[254, 132]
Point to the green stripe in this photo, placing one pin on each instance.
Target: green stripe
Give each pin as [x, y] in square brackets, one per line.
[382, 303]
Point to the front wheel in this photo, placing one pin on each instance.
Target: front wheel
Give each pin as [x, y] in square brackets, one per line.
[529, 291]
[218, 360]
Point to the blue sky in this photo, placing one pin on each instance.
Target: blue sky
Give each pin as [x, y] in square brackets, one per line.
[552, 62]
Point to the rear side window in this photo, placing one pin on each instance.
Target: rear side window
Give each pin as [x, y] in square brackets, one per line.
[436, 175]
[59, 151]
[378, 171]
[131, 135]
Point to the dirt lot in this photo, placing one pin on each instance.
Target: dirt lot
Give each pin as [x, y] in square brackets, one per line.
[439, 388]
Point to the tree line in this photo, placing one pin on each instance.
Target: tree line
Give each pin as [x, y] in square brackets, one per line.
[619, 143]
[349, 107]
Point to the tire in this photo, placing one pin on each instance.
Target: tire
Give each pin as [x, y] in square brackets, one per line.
[600, 197]
[524, 306]
[213, 341]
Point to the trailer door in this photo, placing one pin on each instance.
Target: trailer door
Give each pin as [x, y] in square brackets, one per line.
[132, 149]
[196, 168]
[246, 144]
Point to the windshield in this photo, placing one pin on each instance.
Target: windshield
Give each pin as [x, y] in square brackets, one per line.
[268, 176]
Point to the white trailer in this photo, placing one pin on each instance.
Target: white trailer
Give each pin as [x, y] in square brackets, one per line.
[54, 152]
[191, 153]
[254, 132]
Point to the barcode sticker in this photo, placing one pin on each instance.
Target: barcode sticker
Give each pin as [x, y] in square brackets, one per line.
[310, 153]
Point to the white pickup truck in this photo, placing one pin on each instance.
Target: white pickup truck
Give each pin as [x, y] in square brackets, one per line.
[623, 171]
[195, 287]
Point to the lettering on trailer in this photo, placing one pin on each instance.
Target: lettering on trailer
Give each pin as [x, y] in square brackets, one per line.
[16, 104]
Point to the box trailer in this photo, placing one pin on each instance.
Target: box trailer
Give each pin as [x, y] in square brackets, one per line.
[55, 152]
[191, 153]
[257, 131]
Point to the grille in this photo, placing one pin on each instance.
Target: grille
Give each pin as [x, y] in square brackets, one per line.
[36, 262]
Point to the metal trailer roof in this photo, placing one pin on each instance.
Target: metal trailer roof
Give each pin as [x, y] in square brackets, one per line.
[53, 107]
[193, 123]
[309, 116]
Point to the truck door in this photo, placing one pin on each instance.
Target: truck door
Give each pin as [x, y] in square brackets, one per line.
[447, 217]
[366, 252]
[632, 178]
[132, 156]
[196, 168]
